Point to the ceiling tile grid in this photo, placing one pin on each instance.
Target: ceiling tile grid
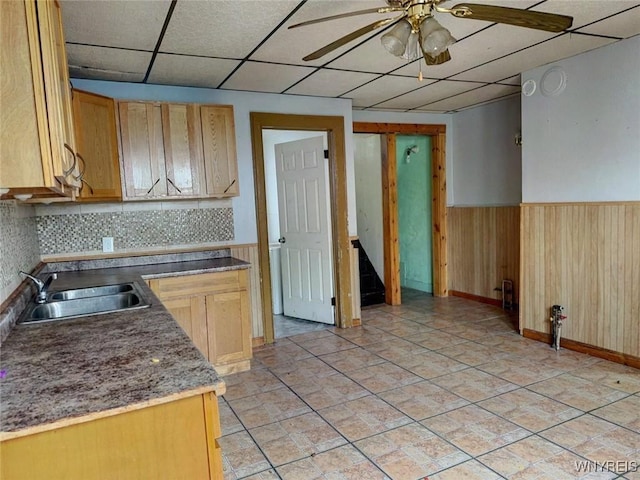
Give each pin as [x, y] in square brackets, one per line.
[246, 45]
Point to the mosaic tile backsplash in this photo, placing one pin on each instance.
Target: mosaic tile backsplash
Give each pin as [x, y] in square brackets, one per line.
[19, 248]
[83, 232]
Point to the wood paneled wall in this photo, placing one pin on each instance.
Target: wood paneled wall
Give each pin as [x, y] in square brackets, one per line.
[249, 253]
[585, 257]
[483, 249]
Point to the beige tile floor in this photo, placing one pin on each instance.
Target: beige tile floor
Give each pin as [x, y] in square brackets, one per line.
[437, 388]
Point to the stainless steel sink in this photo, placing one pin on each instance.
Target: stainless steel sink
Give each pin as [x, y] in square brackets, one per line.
[91, 291]
[82, 302]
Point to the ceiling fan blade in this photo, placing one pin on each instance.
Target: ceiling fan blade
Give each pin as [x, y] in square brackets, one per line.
[549, 22]
[348, 14]
[351, 36]
[443, 57]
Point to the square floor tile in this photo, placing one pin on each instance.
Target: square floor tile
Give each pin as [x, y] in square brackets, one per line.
[624, 412]
[475, 430]
[343, 463]
[536, 458]
[266, 475]
[422, 400]
[613, 375]
[406, 329]
[241, 456]
[327, 345]
[395, 349]
[530, 410]
[352, 359]
[520, 370]
[268, 407]
[577, 392]
[364, 417]
[309, 336]
[383, 376]
[295, 438]
[249, 383]
[474, 385]
[229, 422]
[473, 354]
[303, 370]
[283, 351]
[600, 441]
[410, 452]
[333, 390]
[437, 340]
[430, 364]
[470, 470]
[364, 335]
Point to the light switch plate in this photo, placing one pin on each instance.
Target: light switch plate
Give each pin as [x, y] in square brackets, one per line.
[107, 244]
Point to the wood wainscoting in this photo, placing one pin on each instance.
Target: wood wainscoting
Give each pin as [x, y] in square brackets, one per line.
[483, 250]
[585, 257]
[249, 253]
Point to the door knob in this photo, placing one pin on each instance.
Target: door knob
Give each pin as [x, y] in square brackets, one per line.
[282, 240]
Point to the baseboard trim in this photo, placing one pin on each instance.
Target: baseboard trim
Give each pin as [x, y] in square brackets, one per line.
[611, 355]
[257, 342]
[477, 298]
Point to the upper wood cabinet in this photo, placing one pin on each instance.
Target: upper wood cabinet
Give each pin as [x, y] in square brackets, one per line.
[37, 152]
[177, 150]
[97, 139]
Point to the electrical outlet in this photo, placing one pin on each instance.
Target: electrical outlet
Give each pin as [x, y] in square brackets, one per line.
[107, 244]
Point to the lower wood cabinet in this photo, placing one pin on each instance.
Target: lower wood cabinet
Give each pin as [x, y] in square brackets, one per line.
[171, 440]
[214, 310]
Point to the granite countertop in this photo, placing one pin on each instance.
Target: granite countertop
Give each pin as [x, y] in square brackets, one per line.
[70, 371]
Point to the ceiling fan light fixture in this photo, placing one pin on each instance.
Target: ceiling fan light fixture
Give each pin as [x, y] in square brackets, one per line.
[412, 52]
[435, 38]
[395, 41]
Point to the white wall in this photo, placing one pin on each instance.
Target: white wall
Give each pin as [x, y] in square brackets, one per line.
[421, 119]
[270, 138]
[243, 103]
[486, 161]
[584, 143]
[368, 173]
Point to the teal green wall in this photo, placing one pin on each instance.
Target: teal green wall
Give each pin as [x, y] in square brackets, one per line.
[414, 213]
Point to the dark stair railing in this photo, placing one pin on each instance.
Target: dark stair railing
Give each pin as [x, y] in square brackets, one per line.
[371, 287]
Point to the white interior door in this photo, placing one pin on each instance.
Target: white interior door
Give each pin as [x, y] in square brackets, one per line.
[303, 202]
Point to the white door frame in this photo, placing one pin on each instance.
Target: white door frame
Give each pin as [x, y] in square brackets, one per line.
[334, 126]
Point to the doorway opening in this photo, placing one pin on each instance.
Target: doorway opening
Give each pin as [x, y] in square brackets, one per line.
[333, 127]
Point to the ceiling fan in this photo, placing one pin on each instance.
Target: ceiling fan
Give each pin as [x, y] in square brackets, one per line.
[417, 33]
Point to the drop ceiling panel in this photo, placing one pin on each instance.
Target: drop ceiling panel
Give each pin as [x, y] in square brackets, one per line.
[474, 97]
[331, 83]
[192, 71]
[561, 47]
[107, 63]
[383, 89]
[428, 94]
[230, 29]
[290, 46]
[369, 57]
[265, 77]
[623, 25]
[131, 24]
[584, 12]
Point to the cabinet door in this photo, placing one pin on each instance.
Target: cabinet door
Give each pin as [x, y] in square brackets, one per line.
[58, 93]
[97, 140]
[142, 150]
[190, 313]
[183, 149]
[219, 147]
[229, 327]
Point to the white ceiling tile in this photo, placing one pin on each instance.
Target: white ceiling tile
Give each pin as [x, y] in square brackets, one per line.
[623, 25]
[382, 89]
[132, 24]
[584, 12]
[331, 83]
[369, 57]
[561, 47]
[222, 28]
[192, 71]
[265, 77]
[290, 46]
[515, 80]
[474, 97]
[429, 94]
[107, 63]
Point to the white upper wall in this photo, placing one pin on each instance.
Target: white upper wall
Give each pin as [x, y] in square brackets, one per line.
[243, 103]
[583, 144]
[487, 164]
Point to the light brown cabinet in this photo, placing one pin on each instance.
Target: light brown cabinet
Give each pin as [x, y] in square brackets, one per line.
[214, 311]
[177, 439]
[177, 150]
[37, 153]
[97, 139]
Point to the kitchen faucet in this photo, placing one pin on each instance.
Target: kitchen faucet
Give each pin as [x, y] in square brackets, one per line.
[41, 296]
